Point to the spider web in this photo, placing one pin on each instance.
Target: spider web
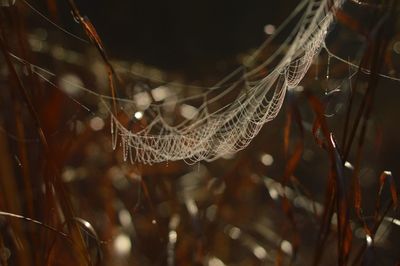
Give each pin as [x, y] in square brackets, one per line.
[232, 127]
[157, 126]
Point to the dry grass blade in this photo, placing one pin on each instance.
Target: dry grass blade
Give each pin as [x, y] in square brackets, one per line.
[27, 219]
[365, 252]
[384, 178]
[52, 183]
[91, 32]
[336, 190]
[291, 165]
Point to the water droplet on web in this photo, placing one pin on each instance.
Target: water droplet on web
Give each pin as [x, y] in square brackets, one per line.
[336, 95]
[269, 29]
[18, 161]
[328, 66]
[138, 115]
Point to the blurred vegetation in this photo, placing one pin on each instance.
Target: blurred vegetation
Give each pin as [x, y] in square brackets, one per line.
[317, 186]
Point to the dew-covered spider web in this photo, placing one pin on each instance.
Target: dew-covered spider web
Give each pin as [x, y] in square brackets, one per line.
[169, 122]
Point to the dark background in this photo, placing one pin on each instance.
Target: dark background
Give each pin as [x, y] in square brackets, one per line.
[182, 35]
